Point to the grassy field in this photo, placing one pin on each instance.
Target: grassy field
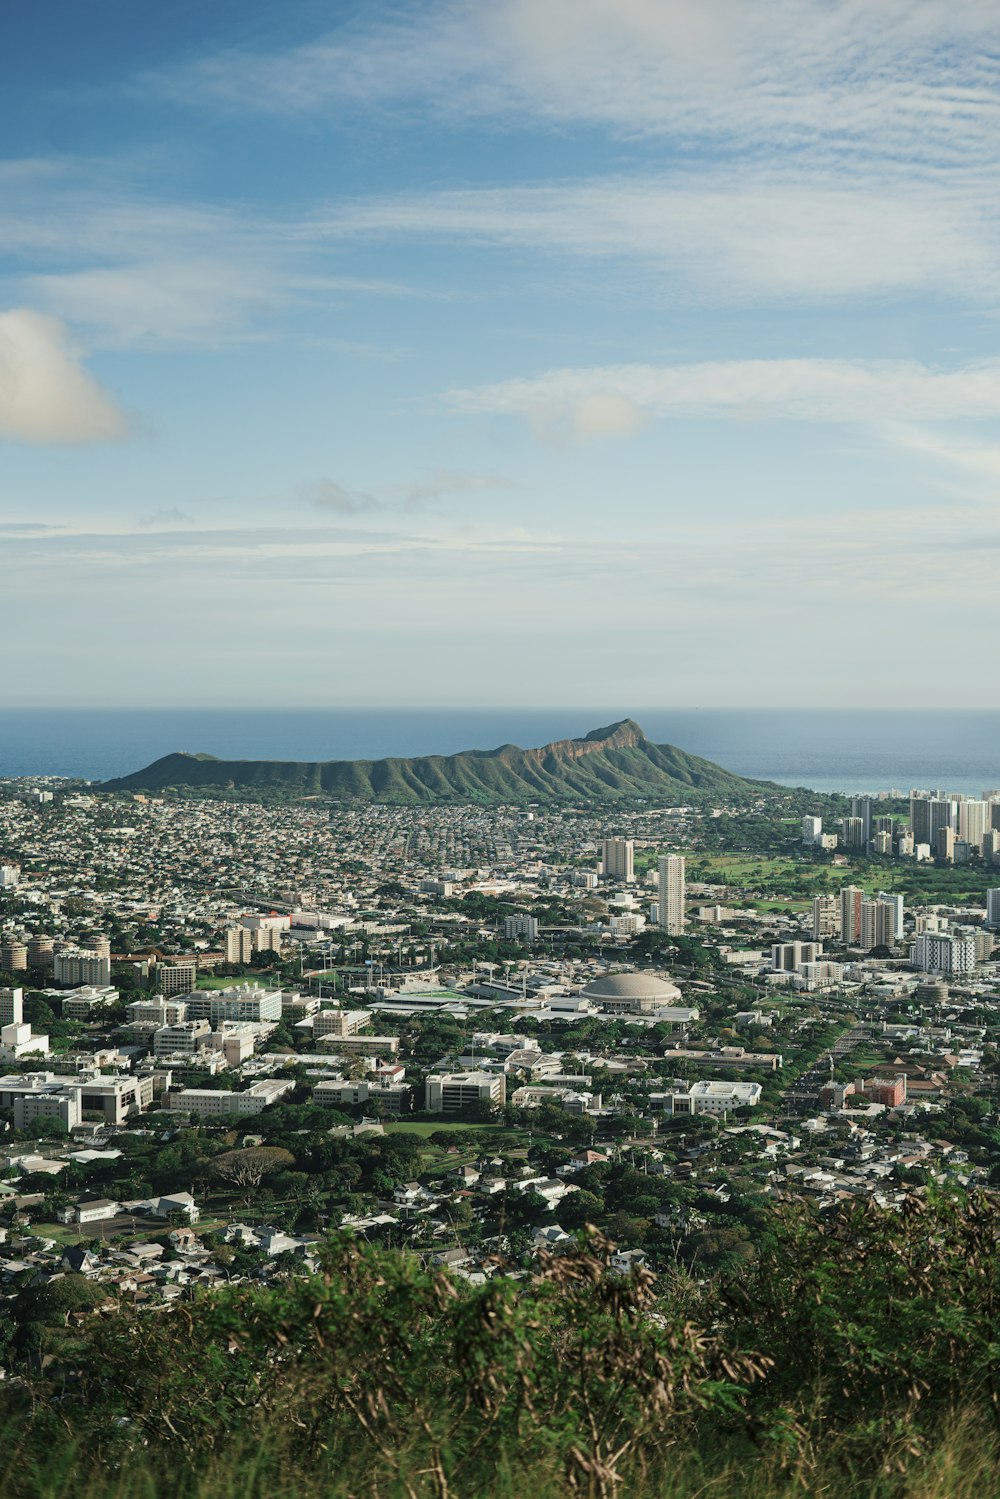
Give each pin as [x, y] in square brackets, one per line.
[431, 1127]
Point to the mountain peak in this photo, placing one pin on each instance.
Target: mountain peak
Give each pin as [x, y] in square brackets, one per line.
[621, 735]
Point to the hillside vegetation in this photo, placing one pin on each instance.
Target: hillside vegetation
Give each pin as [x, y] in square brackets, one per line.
[856, 1359]
[613, 763]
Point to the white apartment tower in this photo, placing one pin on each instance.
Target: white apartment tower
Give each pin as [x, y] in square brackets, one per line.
[974, 822]
[812, 831]
[671, 913]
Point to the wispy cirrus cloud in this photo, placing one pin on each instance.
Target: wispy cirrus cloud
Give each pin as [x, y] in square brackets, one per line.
[913, 77]
[764, 232]
[877, 392]
[819, 148]
[106, 247]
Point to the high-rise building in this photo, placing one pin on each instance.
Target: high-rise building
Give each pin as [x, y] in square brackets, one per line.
[77, 968]
[11, 1006]
[944, 952]
[993, 908]
[239, 944]
[861, 806]
[853, 832]
[944, 844]
[10, 875]
[928, 815]
[896, 901]
[671, 891]
[878, 924]
[520, 928]
[851, 899]
[826, 917]
[788, 957]
[991, 847]
[267, 938]
[973, 821]
[881, 825]
[176, 978]
[41, 951]
[618, 857]
[13, 957]
[812, 831]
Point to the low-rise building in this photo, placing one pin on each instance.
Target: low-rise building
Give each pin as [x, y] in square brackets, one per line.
[452, 1092]
[711, 1098]
[218, 1103]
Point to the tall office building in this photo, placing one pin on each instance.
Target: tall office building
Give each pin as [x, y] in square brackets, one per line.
[928, 815]
[991, 847]
[993, 909]
[861, 806]
[851, 899]
[944, 844]
[671, 913]
[618, 856]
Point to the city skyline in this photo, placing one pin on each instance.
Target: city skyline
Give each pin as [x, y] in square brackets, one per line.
[368, 356]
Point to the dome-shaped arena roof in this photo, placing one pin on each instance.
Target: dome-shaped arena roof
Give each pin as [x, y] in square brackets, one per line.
[632, 986]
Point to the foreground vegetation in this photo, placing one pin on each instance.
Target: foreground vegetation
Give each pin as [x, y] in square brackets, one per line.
[857, 1356]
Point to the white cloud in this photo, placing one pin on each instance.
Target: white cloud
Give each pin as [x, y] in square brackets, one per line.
[817, 390]
[914, 77]
[735, 235]
[195, 301]
[46, 396]
[819, 147]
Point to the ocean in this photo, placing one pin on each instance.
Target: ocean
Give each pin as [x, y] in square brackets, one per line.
[828, 750]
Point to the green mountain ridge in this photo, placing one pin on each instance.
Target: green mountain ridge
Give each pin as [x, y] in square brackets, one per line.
[615, 763]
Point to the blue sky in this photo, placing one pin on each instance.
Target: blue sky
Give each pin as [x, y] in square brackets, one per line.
[537, 352]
